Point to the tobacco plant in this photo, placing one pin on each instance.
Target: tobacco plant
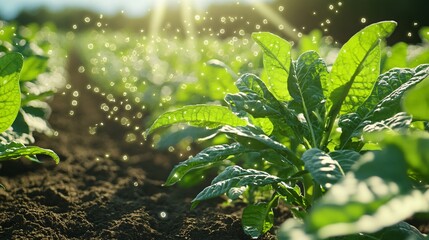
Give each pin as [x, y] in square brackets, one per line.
[298, 133]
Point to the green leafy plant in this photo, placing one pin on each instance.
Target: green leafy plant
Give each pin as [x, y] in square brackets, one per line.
[381, 190]
[34, 111]
[22, 110]
[298, 132]
[10, 104]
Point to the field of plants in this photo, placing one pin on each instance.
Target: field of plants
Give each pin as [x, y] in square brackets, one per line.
[110, 134]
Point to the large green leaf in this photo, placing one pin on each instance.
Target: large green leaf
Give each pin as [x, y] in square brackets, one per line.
[377, 193]
[402, 230]
[416, 101]
[304, 86]
[324, 170]
[233, 177]
[399, 121]
[253, 98]
[16, 150]
[346, 158]
[277, 62]
[256, 139]
[257, 219]
[292, 229]
[209, 116]
[10, 94]
[390, 104]
[356, 68]
[384, 101]
[204, 158]
[327, 169]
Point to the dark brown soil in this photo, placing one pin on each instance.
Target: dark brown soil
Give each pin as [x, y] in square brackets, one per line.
[90, 195]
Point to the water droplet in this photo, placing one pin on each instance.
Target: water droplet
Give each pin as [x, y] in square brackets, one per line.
[81, 69]
[87, 19]
[163, 215]
[92, 130]
[131, 137]
[363, 20]
[104, 107]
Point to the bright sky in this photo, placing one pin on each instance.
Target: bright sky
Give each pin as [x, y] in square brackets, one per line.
[10, 8]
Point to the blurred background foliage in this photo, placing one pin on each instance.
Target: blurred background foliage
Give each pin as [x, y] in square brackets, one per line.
[303, 15]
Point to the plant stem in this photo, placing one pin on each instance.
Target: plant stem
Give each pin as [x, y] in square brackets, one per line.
[327, 132]
[308, 188]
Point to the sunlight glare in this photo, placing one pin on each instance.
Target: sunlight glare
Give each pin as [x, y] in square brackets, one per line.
[158, 16]
[275, 18]
[187, 18]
